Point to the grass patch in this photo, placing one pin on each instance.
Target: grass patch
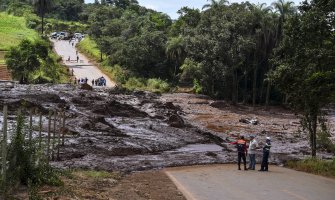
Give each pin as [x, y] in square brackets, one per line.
[13, 30]
[90, 48]
[314, 166]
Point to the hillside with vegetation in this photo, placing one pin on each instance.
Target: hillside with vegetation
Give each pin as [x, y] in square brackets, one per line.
[13, 30]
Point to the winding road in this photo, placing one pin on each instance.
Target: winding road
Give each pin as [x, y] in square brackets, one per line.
[81, 69]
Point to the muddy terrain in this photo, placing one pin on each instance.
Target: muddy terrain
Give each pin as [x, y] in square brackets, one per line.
[113, 130]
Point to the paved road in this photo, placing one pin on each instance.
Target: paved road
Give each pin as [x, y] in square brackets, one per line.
[81, 69]
[225, 182]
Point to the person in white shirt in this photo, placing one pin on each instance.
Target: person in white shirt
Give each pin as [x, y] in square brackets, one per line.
[252, 152]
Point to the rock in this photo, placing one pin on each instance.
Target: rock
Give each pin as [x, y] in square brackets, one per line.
[219, 104]
[86, 86]
[176, 121]
[249, 121]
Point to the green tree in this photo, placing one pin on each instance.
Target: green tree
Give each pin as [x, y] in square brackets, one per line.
[306, 65]
[215, 4]
[175, 50]
[42, 7]
[26, 58]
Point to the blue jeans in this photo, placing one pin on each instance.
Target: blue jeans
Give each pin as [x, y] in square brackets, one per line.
[252, 162]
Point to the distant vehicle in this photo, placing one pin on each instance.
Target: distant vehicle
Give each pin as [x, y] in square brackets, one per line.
[79, 35]
[54, 35]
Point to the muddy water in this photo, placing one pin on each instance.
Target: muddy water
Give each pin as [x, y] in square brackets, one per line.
[112, 130]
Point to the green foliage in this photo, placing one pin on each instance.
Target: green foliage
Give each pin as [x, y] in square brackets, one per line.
[190, 71]
[33, 62]
[314, 166]
[324, 143]
[13, 30]
[19, 8]
[157, 85]
[133, 39]
[90, 48]
[69, 10]
[26, 165]
[197, 88]
[305, 70]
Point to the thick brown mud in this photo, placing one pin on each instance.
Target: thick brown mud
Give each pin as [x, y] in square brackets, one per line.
[111, 130]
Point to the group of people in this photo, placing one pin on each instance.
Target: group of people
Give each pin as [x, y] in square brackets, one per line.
[80, 80]
[99, 82]
[243, 149]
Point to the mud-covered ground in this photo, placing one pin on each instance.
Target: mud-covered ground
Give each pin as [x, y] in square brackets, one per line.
[110, 130]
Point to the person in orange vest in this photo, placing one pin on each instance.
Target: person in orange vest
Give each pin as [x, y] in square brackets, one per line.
[241, 146]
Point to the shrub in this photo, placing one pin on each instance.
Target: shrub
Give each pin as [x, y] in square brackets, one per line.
[154, 84]
[197, 88]
[324, 143]
[134, 83]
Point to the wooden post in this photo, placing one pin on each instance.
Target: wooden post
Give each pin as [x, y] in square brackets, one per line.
[63, 128]
[40, 132]
[30, 124]
[49, 130]
[4, 143]
[54, 136]
[59, 132]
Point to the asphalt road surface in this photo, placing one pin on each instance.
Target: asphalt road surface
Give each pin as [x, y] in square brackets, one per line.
[81, 69]
[225, 182]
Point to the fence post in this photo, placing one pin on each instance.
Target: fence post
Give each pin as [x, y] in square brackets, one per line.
[4, 143]
[49, 130]
[63, 128]
[54, 136]
[30, 124]
[40, 132]
[59, 132]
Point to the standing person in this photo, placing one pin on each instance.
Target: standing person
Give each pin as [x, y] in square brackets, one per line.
[266, 152]
[241, 146]
[252, 152]
[77, 58]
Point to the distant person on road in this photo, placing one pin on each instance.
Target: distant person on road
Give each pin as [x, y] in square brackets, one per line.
[77, 58]
[253, 145]
[266, 153]
[241, 146]
[92, 82]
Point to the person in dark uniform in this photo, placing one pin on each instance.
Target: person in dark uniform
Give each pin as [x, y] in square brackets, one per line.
[266, 153]
[241, 146]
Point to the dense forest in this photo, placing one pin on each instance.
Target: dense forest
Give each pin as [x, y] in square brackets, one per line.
[240, 52]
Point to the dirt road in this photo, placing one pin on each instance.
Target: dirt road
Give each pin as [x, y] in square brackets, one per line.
[81, 69]
[225, 182]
